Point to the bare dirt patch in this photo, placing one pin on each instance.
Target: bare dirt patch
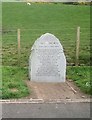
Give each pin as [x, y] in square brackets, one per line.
[50, 91]
[14, 90]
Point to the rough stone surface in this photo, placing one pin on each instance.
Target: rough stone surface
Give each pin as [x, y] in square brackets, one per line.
[47, 62]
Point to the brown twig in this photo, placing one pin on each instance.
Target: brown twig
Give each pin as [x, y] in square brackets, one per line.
[71, 88]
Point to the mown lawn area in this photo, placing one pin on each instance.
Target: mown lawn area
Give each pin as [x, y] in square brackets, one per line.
[33, 21]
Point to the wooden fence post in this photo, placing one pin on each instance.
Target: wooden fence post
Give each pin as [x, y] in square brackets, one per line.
[18, 38]
[77, 46]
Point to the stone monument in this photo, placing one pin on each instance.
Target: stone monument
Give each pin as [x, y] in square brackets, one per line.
[47, 62]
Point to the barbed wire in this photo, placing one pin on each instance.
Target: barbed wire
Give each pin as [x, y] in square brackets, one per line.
[15, 29]
[73, 35]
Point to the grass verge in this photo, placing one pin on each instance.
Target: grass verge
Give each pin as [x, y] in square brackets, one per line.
[13, 82]
[14, 85]
[81, 76]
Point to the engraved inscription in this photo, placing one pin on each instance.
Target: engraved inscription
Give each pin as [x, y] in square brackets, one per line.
[48, 62]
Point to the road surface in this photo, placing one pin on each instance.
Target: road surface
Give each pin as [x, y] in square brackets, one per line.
[46, 110]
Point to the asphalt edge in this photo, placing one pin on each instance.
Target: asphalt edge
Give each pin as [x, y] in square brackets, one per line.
[25, 101]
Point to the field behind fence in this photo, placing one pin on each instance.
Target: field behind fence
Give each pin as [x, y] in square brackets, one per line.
[39, 18]
[67, 37]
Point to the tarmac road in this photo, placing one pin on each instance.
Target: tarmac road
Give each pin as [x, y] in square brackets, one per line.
[46, 110]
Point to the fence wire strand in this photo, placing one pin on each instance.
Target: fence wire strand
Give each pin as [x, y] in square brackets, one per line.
[67, 39]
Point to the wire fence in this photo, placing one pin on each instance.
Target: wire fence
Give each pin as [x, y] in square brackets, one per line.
[67, 37]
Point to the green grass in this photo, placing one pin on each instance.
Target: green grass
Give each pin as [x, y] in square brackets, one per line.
[81, 76]
[58, 19]
[13, 84]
